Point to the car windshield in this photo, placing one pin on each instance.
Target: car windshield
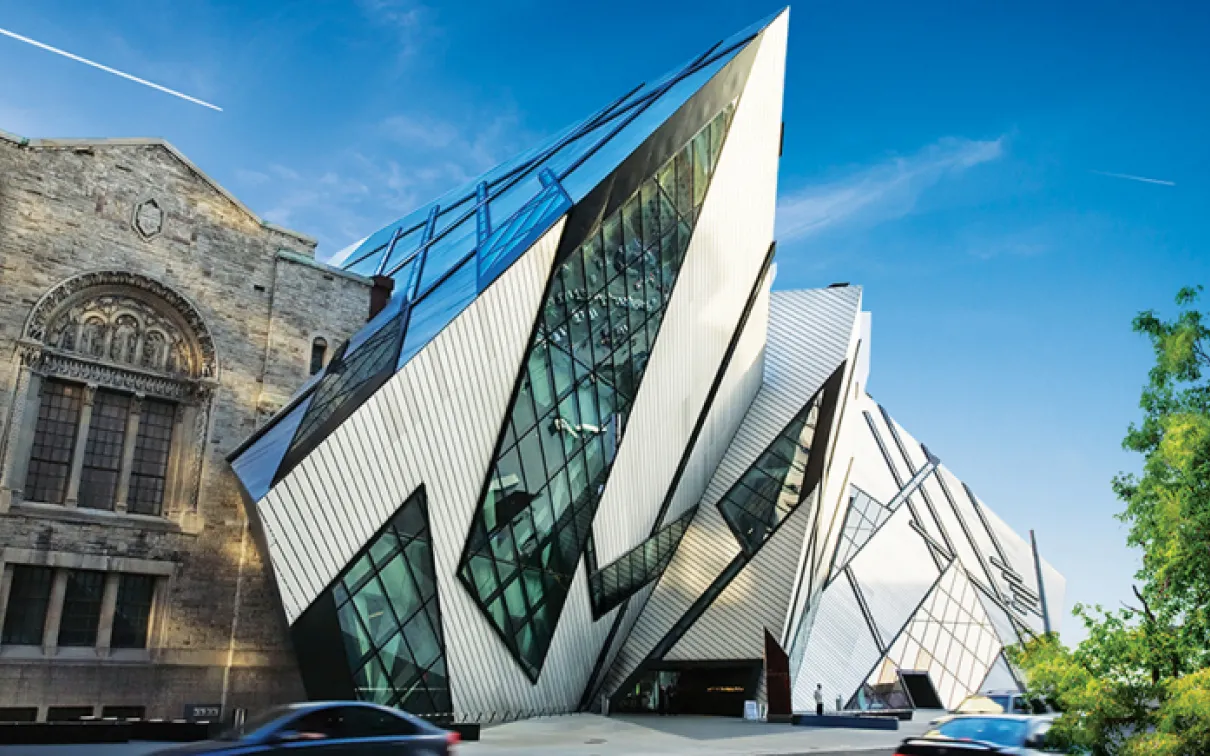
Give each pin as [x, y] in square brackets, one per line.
[997, 730]
[252, 724]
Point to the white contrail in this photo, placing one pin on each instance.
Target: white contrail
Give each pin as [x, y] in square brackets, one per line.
[107, 69]
[1144, 179]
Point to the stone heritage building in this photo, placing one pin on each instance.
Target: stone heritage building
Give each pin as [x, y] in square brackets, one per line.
[149, 323]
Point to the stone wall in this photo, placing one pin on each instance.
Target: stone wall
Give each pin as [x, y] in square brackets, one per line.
[67, 208]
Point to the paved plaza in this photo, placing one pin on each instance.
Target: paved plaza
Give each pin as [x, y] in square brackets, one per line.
[591, 735]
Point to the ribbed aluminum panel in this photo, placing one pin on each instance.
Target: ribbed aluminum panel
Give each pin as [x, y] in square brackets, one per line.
[894, 573]
[824, 532]
[739, 386]
[809, 334]
[841, 651]
[730, 241]
[435, 422]
[733, 627]
[738, 197]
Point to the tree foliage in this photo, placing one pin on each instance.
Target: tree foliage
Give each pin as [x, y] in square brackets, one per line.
[1140, 682]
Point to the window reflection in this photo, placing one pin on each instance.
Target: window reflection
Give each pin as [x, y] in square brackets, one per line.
[583, 369]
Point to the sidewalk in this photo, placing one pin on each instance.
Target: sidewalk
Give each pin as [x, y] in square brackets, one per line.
[593, 735]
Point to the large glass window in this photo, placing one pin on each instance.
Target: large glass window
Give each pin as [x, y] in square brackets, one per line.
[604, 306]
[152, 445]
[132, 612]
[621, 579]
[28, 599]
[772, 487]
[865, 516]
[103, 452]
[54, 442]
[81, 608]
[390, 619]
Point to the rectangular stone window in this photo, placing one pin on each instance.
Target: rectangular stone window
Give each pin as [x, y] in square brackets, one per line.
[152, 445]
[132, 612]
[103, 452]
[18, 713]
[28, 599]
[68, 713]
[54, 442]
[81, 608]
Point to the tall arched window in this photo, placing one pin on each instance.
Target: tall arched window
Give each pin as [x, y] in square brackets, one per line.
[123, 366]
[319, 351]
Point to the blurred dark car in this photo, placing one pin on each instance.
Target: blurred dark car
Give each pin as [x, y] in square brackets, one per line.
[328, 729]
[976, 735]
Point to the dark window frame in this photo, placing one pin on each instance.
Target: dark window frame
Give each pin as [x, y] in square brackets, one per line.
[25, 636]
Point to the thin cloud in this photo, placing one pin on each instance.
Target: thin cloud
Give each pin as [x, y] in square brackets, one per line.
[881, 192]
[107, 69]
[399, 164]
[1144, 179]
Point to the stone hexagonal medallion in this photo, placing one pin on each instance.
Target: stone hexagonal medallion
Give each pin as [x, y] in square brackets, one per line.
[148, 218]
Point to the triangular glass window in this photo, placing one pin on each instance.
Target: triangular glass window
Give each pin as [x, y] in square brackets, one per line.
[583, 369]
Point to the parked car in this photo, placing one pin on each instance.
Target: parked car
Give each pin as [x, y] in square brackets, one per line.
[1000, 702]
[328, 729]
[963, 735]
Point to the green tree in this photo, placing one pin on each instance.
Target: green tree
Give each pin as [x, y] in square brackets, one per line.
[1139, 683]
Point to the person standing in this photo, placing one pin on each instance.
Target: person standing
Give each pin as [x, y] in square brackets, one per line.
[663, 700]
[819, 699]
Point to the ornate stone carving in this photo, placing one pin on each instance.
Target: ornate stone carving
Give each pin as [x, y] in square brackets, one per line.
[103, 333]
[75, 368]
[148, 218]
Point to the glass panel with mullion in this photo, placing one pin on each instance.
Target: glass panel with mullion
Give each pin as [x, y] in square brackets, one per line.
[132, 611]
[440, 306]
[541, 382]
[341, 382]
[684, 184]
[580, 332]
[530, 451]
[448, 251]
[570, 427]
[81, 608]
[28, 599]
[371, 683]
[561, 369]
[596, 268]
[149, 468]
[613, 335]
[701, 168]
[400, 588]
[103, 452]
[54, 442]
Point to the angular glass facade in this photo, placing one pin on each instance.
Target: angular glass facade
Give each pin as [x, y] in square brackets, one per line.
[390, 620]
[773, 487]
[621, 579]
[865, 516]
[602, 313]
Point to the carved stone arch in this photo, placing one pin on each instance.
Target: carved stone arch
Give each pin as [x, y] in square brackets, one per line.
[132, 294]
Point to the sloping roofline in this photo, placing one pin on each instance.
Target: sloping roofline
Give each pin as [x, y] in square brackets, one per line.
[21, 141]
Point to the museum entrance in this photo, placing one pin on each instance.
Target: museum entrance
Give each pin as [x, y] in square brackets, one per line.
[697, 688]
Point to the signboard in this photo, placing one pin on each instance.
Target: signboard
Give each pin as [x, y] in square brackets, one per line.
[203, 712]
[751, 712]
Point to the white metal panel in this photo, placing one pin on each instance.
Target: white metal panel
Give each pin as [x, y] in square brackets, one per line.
[739, 386]
[840, 652]
[726, 252]
[734, 625]
[894, 572]
[833, 497]
[738, 212]
[435, 422]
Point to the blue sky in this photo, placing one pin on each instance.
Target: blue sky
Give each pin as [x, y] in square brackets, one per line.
[942, 154]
